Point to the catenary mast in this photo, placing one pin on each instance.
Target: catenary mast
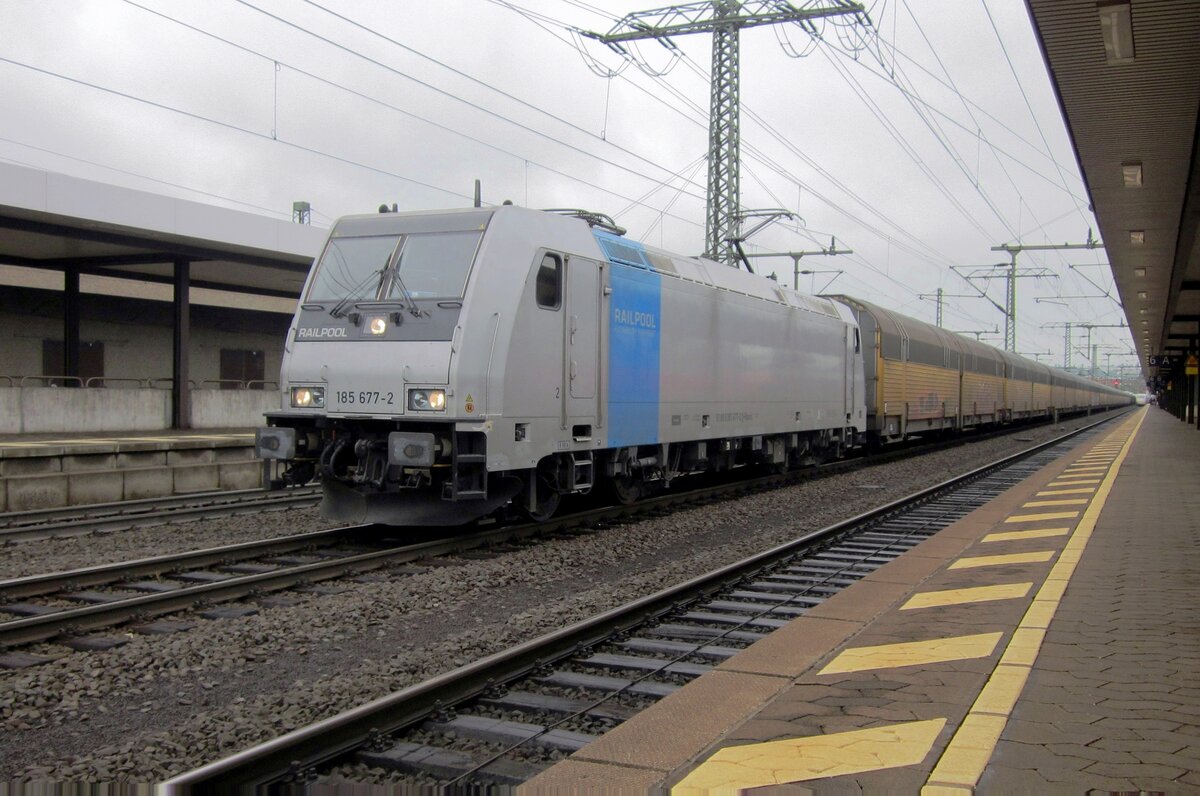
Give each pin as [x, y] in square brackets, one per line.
[724, 19]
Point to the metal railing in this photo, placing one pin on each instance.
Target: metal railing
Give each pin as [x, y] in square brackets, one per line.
[49, 381]
[133, 383]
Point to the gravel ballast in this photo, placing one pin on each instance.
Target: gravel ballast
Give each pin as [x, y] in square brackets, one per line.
[161, 705]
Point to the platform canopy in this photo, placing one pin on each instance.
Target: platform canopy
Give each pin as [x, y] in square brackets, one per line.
[1127, 76]
[74, 226]
[51, 220]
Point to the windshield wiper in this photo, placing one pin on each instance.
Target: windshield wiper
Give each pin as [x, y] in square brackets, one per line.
[393, 271]
[412, 304]
[352, 296]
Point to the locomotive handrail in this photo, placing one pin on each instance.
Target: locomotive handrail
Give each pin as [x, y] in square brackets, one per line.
[8, 379]
[262, 385]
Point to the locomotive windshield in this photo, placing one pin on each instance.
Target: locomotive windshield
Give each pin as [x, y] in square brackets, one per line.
[395, 267]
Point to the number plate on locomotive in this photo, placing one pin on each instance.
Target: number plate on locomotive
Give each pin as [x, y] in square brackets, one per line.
[365, 399]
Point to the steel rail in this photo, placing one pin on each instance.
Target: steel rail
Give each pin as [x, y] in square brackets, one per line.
[292, 754]
[80, 520]
[74, 621]
[105, 574]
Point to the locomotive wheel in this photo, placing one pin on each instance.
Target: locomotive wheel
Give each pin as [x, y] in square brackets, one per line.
[626, 489]
[548, 499]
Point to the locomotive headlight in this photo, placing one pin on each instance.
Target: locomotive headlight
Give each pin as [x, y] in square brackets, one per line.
[376, 325]
[427, 400]
[308, 397]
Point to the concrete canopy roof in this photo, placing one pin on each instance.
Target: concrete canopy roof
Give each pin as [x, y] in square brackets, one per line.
[50, 220]
[1136, 113]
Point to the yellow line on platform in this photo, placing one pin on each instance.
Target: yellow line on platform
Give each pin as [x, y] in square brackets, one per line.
[975, 562]
[912, 653]
[1016, 536]
[974, 594]
[736, 768]
[1087, 490]
[971, 748]
[1053, 515]
[1074, 481]
[1033, 504]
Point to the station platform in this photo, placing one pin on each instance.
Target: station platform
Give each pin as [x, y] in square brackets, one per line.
[1047, 642]
[40, 471]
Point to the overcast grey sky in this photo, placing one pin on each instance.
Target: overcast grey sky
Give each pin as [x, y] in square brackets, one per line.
[937, 142]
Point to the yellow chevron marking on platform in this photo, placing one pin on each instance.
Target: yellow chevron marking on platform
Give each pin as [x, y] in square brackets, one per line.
[913, 653]
[736, 768]
[1086, 490]
[1054, 515]
[974, 562]
[970, 749]
[975, 594]
[1016, 536]
[1033, 504]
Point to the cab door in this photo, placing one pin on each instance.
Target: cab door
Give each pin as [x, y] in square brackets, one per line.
[581, 347]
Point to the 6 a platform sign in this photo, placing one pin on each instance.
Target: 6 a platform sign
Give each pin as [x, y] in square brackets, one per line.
[1162, 361]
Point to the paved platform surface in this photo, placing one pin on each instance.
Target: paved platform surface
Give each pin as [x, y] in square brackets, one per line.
[1048, 642]
[86, 443]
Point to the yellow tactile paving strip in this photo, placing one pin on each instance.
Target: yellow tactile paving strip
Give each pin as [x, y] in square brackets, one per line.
[974, 562]
[795, 669]
[962, 763]
[736, 768]
[913, 653]
[972, 594]
[965, 758]
[1037, 533]
[1049, 515]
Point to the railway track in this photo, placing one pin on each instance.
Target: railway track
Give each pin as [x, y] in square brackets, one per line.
[500, 720]
[23, 526]
[68, 606]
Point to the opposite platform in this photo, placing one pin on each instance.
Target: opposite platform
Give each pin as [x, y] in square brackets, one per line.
[1048, 641]
[40, 471]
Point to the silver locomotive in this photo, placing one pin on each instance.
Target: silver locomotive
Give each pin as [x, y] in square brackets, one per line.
[443, 366]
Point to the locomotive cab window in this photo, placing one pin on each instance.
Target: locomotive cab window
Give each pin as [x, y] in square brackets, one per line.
[548, 289]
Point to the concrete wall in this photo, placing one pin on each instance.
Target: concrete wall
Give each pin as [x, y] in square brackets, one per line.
[232, 408]
[60, 410]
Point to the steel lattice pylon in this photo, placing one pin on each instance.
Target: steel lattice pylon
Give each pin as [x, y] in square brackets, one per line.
[724, 145]
[724, 19]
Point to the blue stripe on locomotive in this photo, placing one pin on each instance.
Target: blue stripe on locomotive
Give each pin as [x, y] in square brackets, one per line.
[633, 344]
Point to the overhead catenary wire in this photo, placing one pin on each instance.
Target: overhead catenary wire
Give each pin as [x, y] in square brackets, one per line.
[444, 128]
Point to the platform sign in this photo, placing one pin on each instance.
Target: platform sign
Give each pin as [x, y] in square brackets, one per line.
[1162, 361]
[1192, 366]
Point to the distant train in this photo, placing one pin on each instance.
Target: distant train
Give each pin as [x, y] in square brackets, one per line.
[445, 366]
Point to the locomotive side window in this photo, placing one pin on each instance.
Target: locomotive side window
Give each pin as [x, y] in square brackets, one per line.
[549, 282]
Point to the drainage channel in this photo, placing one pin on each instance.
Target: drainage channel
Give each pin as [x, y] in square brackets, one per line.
[502, 720]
